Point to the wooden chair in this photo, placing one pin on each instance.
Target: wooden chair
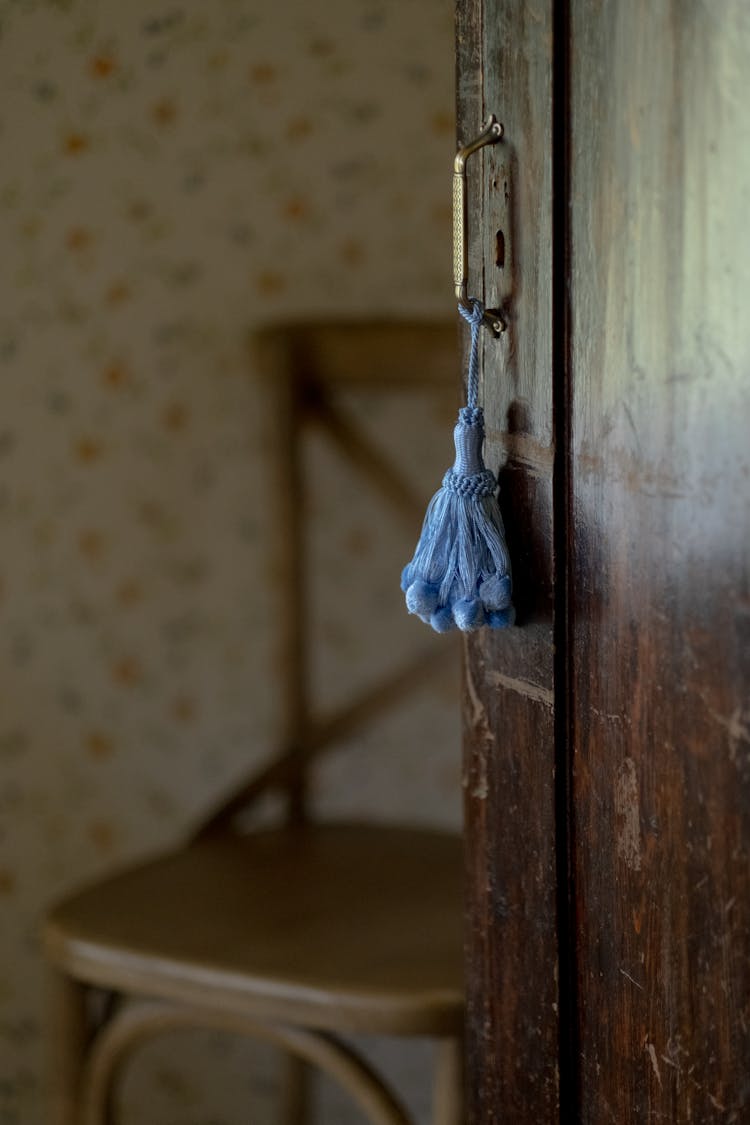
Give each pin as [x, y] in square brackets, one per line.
[308, 931]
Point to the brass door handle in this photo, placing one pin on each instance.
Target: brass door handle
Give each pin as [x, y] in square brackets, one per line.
[490, 135]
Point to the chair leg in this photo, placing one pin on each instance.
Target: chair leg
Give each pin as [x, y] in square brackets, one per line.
[68, 1034]
[448, 1100]
[296, 1080]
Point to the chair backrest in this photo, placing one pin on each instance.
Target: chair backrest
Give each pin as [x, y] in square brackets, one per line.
[303, 366]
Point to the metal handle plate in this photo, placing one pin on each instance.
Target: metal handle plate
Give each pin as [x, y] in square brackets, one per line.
[490, 134]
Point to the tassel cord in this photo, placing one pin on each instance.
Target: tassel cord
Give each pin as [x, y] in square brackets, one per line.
[473, 314]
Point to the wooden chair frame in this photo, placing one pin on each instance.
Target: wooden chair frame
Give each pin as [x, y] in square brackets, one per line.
[302, 366]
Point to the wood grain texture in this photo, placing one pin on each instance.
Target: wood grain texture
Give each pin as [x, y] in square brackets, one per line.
[504, 67]
[660, 471]
[366, 935]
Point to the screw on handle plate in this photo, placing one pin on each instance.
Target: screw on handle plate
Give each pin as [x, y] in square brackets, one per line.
[490, 135]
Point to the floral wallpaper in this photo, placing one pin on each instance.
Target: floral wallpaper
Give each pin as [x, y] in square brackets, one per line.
[174, 175]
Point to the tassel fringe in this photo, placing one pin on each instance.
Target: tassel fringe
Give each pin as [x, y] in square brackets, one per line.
[460, 575]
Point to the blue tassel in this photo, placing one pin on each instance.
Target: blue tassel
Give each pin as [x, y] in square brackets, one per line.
[460, 573]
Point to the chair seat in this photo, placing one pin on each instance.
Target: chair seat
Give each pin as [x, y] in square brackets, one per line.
[341, 927]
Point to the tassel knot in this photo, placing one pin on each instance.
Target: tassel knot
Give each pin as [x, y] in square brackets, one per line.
[473, 312]
[478, 484]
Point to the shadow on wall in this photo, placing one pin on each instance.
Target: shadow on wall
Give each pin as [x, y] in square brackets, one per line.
[174, 177]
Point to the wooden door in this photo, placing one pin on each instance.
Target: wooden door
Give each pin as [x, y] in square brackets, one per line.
[607, 755]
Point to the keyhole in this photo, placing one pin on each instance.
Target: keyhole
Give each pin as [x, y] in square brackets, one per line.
[500, 250]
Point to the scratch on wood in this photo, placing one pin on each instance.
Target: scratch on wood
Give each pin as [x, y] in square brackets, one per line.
[478, 717]
[627, 810]
[654, 1061]
[521, 448]
[524, 687]
[481, 726]
[632, 980]
[735, 727]
[611, 717]
[480, 789]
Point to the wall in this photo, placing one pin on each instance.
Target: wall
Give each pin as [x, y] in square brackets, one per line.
[172, 176]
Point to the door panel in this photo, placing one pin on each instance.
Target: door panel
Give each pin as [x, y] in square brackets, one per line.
[660, 537]
[505, 68]
[607, 750]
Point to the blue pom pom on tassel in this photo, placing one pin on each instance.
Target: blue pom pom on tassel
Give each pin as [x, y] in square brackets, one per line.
[460, 575]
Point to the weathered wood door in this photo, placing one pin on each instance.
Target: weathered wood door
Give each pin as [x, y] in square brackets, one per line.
[607, 753]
